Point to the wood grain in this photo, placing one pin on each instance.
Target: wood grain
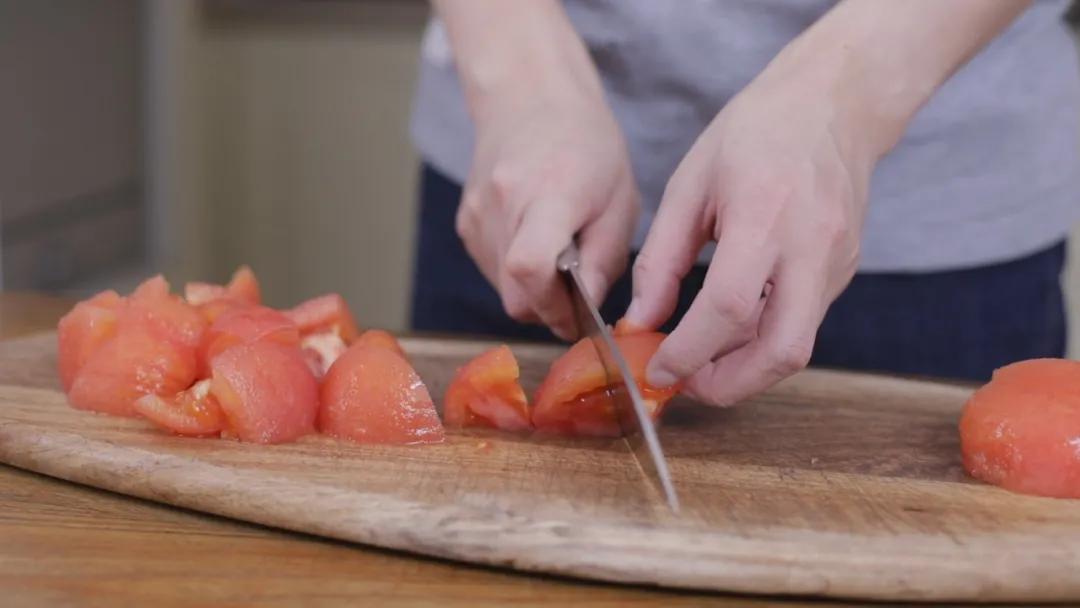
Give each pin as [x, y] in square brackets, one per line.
[833, 484]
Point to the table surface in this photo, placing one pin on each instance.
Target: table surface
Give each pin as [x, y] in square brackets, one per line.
[64, 544]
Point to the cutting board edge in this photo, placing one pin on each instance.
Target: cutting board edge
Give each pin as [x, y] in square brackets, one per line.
[464, 533]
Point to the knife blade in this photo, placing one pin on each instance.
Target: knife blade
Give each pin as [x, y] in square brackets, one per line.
[637, 427]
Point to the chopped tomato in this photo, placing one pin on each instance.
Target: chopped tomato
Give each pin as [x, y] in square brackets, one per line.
[574, 398]
[625, 328]
[243, 287]
[373, 395]
[83, 330]
[1021, 431]
[321, 350]
[213, 309]
[382, 339]
[486, 392]
[265, 391]
[136, 362]
[194, 412]
[245, 324]
[325, 313]
[167, 315]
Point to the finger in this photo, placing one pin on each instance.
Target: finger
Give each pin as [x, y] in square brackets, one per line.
[530, 265]
[721, 314]
[605, 243]
[789, 323]
[677, 234]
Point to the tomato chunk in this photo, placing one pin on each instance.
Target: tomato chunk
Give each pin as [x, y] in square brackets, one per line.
[243, 287]
[1021, 430]
[136, 362]
[167, 315]
[265, 391]
[83, 330]
[574, 398]
[486, 392]
[383, 339]
[326, 313]
[194, 412]
[372, 395]
[245, 324]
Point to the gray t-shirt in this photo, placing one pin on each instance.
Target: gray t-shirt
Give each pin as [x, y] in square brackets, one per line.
[988, 170]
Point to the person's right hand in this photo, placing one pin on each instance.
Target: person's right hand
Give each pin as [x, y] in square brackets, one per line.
[549, 164]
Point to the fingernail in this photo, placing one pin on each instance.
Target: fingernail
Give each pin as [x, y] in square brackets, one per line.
[660, 378]
[633, 313]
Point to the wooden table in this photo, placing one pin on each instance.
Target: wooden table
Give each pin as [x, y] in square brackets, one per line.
[64, 544]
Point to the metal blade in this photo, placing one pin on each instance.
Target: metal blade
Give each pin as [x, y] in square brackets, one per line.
[637, 426]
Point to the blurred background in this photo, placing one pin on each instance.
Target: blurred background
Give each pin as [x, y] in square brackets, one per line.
[187, 137]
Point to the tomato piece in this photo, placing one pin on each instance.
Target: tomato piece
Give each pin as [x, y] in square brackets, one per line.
[625, 327]
[243, 287]
[574, 398]
[326, 313]
[382, 339]
[167, 315]
[373, 395]
[136, 362]
[245, 324]
[486, 392]
[83, 330]
[1021, 430]
[265, 391]
[194, 412]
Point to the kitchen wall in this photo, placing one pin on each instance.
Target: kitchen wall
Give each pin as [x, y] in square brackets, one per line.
[285, 132]
[284, 145]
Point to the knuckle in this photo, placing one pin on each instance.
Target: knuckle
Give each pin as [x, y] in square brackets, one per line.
[515, 306]
[524, 267]
[792, 356]
[735, 307]
[505, 182]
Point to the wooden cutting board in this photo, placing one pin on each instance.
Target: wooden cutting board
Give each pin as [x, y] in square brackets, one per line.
[831, 484]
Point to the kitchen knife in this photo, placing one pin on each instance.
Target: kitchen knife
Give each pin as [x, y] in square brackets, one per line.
[638, 429]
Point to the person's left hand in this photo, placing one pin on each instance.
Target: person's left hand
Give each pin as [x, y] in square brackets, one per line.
[779, 180]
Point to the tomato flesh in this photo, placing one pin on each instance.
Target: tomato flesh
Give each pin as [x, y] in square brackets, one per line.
[245, 324]
[575, 399]
[134, 363]
[382, 339]
[326, 313]
[1021, 430]
[83, 330]
[372, 395]
[194, 412]
[266, 391]
[486, 392]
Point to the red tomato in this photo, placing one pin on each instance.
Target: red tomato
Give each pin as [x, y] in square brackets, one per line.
[194, 412]
[373, 395]
[136, 362]
[574, 398]
[625, 328]
[167, 315]
[83, 330]
[325, 313]
[486, 392]
[243, 287]
[1022, 430]
[381, 339]
[245, 324]
[266, 391]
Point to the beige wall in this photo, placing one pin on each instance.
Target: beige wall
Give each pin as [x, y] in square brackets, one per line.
[293, 155]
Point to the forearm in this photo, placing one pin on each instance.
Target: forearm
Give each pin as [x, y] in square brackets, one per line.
[879, 62]
[513, 49]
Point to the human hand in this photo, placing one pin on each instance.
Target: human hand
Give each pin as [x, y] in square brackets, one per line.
[548, 166]
[779, 180]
